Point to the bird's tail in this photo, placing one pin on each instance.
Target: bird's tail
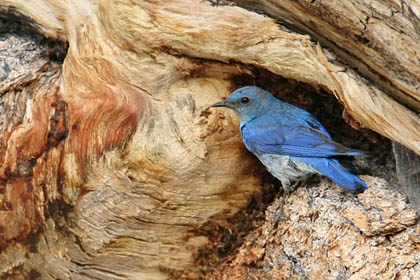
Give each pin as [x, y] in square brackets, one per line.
[333, 170]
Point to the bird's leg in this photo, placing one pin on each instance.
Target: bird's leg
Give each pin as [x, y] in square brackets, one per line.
[280, 214]
[287, 189]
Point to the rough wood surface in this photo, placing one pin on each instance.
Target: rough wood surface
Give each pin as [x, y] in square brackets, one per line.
[112, 166]
[408, 170]
[379, 37]
[331, 235]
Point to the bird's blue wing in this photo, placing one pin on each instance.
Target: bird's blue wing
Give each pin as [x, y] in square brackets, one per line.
[332, 169]
[298, 141]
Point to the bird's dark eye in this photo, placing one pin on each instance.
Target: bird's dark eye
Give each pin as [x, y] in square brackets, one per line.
[244, 100]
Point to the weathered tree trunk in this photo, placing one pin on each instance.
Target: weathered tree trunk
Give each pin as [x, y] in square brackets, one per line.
[112, 166]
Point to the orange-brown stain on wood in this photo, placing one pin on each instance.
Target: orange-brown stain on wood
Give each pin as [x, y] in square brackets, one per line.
[88, 113]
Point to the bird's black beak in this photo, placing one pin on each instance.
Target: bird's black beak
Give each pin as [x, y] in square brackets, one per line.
[220, 104]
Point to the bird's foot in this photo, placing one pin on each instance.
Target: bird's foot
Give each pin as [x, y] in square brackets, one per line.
[293, 187]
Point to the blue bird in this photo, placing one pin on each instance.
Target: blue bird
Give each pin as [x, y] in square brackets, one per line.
[288, 140]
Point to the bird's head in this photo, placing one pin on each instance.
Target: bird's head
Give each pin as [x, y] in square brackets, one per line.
[248, 102]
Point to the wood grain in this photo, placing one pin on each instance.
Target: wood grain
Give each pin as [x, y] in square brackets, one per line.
[112, 165]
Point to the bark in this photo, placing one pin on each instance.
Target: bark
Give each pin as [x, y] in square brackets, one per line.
[112, 166]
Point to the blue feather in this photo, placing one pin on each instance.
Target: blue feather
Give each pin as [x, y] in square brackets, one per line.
[333, 170]
[261, 136]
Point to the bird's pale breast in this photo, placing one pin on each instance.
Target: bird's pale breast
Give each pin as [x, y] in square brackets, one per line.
[285, 169]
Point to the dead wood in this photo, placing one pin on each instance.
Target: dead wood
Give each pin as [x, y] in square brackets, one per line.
[112, 166]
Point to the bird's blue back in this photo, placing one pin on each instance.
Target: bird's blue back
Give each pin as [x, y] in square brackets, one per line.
[284, 114]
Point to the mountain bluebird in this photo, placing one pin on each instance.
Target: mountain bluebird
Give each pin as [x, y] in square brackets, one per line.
[288, 140]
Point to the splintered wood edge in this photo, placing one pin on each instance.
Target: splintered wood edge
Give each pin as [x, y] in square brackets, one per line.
[379, 39]
[289, 55]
